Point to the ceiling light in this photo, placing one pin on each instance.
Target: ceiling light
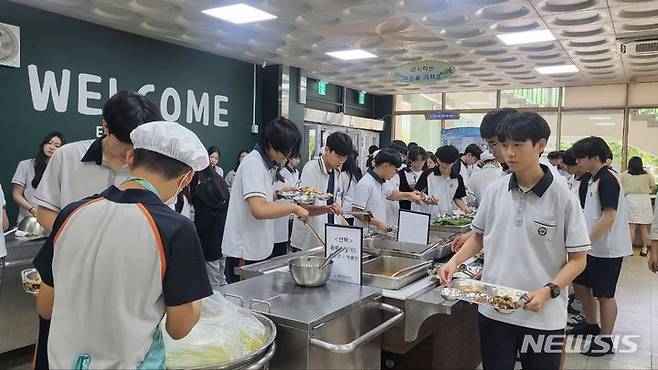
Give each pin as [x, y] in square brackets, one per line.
[526, 37]
[605, 124]
[599, 118]
[351, 54]
[239, 14]
[551, 70]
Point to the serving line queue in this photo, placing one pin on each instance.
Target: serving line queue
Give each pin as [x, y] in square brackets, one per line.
[563, 225]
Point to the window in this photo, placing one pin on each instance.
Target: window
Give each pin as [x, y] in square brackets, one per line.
[416, 128]
[471, 100]
[551, 119]
[544, 97]
[413, 102]
[642, 134]
[608, 124]
[466, 120]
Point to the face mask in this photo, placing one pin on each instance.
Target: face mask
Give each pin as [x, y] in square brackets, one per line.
[172, 201]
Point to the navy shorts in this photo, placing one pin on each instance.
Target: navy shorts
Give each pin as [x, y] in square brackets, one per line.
[601, 274]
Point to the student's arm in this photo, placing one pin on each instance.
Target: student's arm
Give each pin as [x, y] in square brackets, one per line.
[261, 209]
[19, 198]
[375, 222]
[45, 300]
[603, 224]
[460, 193]
[397, 195]
[5, 219]
[458, 242]
[462, 205]
[46, 217]
[316, 210]
[471, 247]
[608, 190]
[575, 265]
[181, 319]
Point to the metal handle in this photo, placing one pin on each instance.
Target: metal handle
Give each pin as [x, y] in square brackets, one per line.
[316, 235]
[352, 346]
[263, 362]
[254, 300]
[235, 296]
[413, 268]
[25, 262]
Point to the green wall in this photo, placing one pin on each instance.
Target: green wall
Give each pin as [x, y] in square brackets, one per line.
[55, 43]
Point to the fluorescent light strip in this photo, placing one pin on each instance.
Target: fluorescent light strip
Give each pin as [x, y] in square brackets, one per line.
[526, 37]
[239, 14]
[552, 70]
[351, 54]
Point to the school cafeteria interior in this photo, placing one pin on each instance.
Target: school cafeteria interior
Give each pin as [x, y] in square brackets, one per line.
[350, 184]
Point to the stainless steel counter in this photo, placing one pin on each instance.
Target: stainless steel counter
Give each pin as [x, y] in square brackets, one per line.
[18, 314]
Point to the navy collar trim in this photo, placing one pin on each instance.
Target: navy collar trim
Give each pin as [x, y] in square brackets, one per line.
[269, 164]
[598, 174]
[540, 188]
[377, 177]
[95, 152]
[130, 196]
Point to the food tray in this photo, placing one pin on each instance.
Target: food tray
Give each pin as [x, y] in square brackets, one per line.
[31, 281]
[478, 292]
[377, 272]
[303, 196]
[473, 268]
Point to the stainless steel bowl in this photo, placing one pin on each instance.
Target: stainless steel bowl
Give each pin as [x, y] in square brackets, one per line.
[307, 270]
[31, 226]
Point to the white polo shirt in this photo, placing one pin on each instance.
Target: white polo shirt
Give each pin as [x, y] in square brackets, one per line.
[314, 174]
[23, 176]
[526, 240]
[76, 170]
[445, 189]
[480, 180]
[245, 236]
[3, 203]
[348, 191]
[604, 192]
[369, 196]
[392, 206]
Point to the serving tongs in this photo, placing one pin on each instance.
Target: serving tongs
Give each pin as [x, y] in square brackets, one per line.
[316, 235]
[464, 269]
[410, 268]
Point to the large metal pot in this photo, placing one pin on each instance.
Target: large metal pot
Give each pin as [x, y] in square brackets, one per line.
[31, 227]
[308, 271]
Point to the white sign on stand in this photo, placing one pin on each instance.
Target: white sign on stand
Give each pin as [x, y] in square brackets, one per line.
[413, 227]
[347, 265]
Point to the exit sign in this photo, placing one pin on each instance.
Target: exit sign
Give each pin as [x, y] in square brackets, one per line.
[322, 87]
[362, 97]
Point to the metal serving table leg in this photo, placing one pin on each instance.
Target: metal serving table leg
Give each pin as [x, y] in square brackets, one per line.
[352, 346]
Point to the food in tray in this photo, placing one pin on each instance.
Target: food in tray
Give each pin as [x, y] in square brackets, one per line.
[31, 281]
[471, 288]
[452, 222]
[450, 294]
[304, 195]
[504, 302]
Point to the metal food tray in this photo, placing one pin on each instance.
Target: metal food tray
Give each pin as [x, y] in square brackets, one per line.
[372, 271]
[479, 292]
[451, 229]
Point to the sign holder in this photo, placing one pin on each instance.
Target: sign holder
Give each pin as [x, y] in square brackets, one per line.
[348, 264]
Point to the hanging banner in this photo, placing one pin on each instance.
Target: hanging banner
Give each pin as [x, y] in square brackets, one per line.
[423, 71]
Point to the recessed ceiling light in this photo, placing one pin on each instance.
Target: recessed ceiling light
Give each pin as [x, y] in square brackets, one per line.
[599, 118]
[351, 54]
[239, 14]
[526, 37]
[606, 124]
[551, 70]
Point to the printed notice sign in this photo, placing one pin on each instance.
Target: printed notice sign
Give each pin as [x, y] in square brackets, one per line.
[413, 227]
[347, 265]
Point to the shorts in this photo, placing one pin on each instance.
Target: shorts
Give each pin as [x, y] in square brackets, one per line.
[601, 275]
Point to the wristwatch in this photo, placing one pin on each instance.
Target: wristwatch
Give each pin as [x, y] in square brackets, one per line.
[555, 290]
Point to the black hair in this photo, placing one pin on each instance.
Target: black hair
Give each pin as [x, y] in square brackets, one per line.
[474, 150]
[126, 110]
[167, 167]
[491, 120]
[635, 166]
[372, 149]
[340, 143]
[214, 149]
[524, 126]
[237, 160]
[568, 158]
[281, 135]
[447, 154]
[351, 168]
[556, 154]
[590, 147]
[416, 153]
[399, 146]
[412, 145]
[40, 160]
[388, 155]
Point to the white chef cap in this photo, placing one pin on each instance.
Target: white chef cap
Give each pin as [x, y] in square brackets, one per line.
[172, 140]
[486, 156]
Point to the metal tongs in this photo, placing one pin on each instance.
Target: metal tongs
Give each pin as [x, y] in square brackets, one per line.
[412, 267]
[316, 235]
[464, 269]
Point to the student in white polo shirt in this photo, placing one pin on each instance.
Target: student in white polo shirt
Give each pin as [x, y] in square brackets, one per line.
[607, 222]
[466, 165]
[370, 194]
[578, 177]
[535, 239]
[249, 230]
[480, 180]
[84, 168]
[443, 184]
[392, 186]
[287, 178]
[322, 174]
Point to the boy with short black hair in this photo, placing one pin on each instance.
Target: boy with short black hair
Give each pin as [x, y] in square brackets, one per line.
[607, 222]
[466, 164]
[443, 184]
[540, 248]
[394, 194]
[578, 176]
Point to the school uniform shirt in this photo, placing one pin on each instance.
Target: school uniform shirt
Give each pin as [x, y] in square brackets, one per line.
[445, 189]
[392, 207]
[3, 204]
[604, 191]
[23, 176]
[369, 195]
[76, 170]
[281, 223]
[527, 236]
[139, 257]
[480, 180]
[460, 167]
[219, 170]
[348, 188]
[245, 236]
[314, 174]
[408, 177]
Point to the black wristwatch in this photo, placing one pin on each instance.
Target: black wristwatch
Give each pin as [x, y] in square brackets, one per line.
[555, 290]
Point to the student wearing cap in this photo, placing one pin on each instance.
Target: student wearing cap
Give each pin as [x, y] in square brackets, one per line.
[607, 222]
[535, 239]
[370, 194]
[322, 174]
[443, 185]
[116, 262]
[466, 165]
[83, 168]
[249, 232]
[480, 180]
